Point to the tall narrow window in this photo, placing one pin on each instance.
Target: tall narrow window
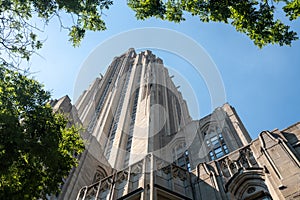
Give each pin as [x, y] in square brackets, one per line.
[115, 121]
[132, 122]
[92, 123]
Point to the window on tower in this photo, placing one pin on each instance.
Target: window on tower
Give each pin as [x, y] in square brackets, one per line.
[216, 144]
[181, 156]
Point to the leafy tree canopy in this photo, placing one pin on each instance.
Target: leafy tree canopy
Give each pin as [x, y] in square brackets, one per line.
[255, 18]
[36, 149]
[18, 32]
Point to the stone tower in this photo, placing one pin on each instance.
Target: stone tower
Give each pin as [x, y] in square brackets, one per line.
[141, 142]
[132, 107]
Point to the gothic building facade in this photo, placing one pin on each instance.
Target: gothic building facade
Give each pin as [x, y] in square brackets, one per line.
[141, 143]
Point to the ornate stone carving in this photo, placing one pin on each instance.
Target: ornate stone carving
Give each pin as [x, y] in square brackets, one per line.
[137, 168]
[224, 169]
[121, 176]
[178, 172]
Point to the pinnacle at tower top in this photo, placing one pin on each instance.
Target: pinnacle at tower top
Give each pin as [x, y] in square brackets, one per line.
[143, 144]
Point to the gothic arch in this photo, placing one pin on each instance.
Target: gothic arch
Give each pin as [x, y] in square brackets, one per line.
[248, 185]
[99, 174]
[178, 147]
[207, 126]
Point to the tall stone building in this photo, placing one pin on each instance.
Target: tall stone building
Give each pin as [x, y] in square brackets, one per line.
[141, 143]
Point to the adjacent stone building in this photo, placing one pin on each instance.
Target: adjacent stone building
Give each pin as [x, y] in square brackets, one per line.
[141, 143]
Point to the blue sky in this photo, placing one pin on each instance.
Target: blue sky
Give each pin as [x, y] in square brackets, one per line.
[262, 84]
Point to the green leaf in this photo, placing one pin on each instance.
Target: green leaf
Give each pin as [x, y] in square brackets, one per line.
[28, 127]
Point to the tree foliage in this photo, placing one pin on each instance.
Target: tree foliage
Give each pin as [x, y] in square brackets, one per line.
[36, 149]
[18, 31]
[255, 18]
